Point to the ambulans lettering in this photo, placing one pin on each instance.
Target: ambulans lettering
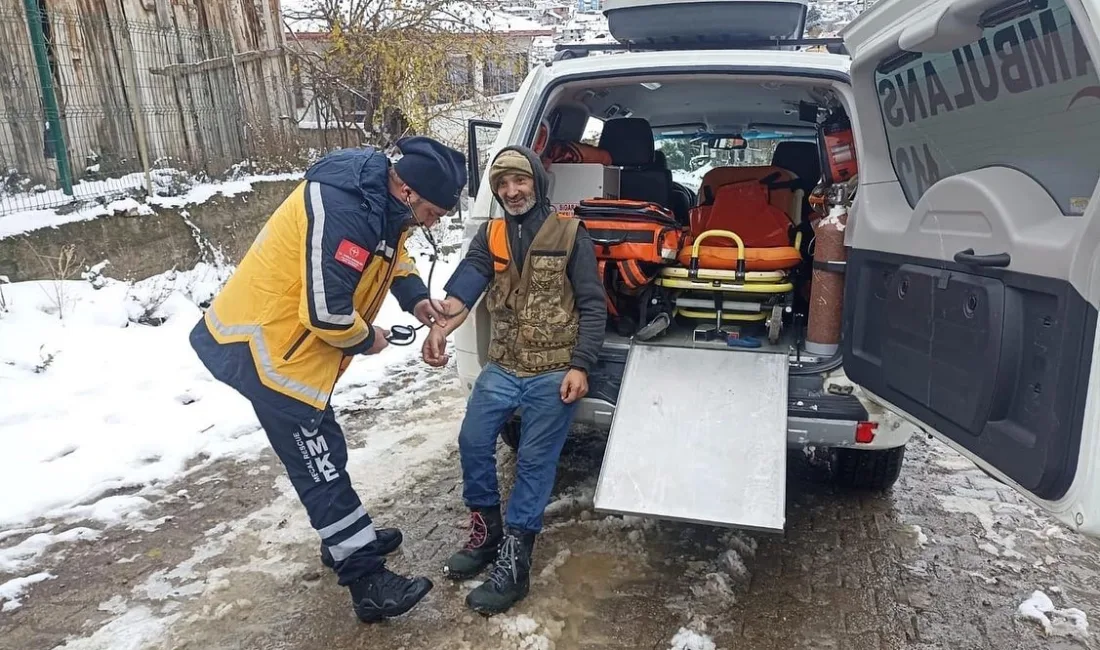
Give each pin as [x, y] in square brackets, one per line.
[1025, 96]
[918, 165]
[1021, 58]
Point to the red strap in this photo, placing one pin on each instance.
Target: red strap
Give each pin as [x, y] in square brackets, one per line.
[632, 274]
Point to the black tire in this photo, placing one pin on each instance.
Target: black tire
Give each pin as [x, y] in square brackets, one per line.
[509, 433]
[866, 469]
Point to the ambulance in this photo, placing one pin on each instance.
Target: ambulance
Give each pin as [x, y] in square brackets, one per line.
[876, 236]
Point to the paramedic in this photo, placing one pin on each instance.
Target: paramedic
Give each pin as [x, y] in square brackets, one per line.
[300, 307]
[546, 305]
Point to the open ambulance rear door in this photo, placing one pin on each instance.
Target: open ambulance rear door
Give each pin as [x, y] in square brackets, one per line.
[973, 276]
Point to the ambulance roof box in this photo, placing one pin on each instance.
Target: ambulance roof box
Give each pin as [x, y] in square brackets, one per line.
[723, 22]
[572, 182]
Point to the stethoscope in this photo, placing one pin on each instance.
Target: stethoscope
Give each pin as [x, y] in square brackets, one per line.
[402, 335]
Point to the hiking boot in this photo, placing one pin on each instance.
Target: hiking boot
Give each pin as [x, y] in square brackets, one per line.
[384, 594]
[510, 578]
[659, 324]
[486, 531]
[386, 541]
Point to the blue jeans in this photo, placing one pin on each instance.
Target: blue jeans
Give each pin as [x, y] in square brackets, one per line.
[545, 424]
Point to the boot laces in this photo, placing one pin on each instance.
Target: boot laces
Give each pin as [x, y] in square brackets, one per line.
[479, 531]
[381, 582]
[390, 580]
[505, 565]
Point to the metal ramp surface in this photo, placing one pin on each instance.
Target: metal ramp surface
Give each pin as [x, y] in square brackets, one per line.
[699, 435]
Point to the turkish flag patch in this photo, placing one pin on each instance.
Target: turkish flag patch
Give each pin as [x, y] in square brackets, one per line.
[352, 255]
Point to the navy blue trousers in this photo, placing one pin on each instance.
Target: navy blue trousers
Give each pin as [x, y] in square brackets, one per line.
[311, 446]
[315, 456]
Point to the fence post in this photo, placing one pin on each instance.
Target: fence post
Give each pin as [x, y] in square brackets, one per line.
[130, 91]
[49, 97]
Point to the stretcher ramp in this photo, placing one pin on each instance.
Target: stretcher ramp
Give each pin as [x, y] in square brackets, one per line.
[699, 435]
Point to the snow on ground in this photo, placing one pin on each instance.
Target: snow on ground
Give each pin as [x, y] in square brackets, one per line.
[215, 580]
[686, 639]
[523, 631]
[692, 179]
[133, 630]
[101, 407]
[15, 220]
[12, 589]
[1069, 622]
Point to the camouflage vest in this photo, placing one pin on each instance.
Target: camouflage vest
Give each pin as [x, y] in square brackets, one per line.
[534, 318]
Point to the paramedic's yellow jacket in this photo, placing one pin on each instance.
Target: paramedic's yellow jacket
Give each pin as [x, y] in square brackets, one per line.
[301, 302]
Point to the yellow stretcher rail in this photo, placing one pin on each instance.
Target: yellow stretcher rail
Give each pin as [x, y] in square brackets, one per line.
[763, 277]
[694, 313]
[732, 287]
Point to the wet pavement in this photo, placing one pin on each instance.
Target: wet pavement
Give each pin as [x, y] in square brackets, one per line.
[942, 561]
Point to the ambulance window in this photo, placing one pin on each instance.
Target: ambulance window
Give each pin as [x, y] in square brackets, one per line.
[592, 131]
[1024, 96]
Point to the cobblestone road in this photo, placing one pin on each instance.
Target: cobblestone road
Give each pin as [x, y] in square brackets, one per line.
[943, 561]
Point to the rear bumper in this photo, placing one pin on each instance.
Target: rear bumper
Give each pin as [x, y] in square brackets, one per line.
[819, 414]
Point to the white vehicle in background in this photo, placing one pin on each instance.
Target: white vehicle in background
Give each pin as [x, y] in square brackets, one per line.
[971, 279]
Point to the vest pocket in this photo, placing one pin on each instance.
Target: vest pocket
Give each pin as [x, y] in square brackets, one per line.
[549, 335]
[546, 288]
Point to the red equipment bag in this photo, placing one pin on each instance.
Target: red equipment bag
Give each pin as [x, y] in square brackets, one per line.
[562, 151]
[635, 231]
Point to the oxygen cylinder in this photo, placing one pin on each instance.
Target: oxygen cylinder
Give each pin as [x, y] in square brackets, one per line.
[827, 286]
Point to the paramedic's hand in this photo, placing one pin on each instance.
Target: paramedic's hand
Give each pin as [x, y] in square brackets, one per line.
[429, 312]
[380, 342]
[574, 386]
[434, 350]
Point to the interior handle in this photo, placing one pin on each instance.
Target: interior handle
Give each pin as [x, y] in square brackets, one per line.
[996, 259]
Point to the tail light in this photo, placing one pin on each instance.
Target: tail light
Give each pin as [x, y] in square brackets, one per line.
[865, 432]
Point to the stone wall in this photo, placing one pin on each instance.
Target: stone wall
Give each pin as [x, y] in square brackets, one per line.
[142, 246]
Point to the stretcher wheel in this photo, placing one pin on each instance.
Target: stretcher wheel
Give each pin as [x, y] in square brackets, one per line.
[775, 324]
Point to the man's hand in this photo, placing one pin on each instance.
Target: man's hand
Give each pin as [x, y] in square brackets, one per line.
[431, 312]
[434, 350]
[453, 308]
[455, 312]
[380, 342]
[574, 386]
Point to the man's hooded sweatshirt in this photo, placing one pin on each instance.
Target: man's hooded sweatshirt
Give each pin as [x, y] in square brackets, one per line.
[475, 272]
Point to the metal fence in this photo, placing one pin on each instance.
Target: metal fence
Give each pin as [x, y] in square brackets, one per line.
[92, 105]
[95, 106]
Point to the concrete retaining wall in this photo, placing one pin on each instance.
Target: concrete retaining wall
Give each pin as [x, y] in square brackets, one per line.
[142, 246]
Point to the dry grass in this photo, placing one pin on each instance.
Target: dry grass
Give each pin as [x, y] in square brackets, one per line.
[60, 268]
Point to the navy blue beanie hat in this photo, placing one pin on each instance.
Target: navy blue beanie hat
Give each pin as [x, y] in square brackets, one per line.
[432, 169]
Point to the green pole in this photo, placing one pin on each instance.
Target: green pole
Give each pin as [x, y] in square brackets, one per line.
[49, 97]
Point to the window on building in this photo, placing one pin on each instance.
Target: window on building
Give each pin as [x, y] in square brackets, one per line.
[505, 74]
[458, 81]
[1024, 96]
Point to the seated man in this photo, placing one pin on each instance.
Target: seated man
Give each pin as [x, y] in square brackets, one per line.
[547, 307]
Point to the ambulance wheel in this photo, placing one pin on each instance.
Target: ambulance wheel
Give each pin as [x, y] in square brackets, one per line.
[509, 433]
[867, 469]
